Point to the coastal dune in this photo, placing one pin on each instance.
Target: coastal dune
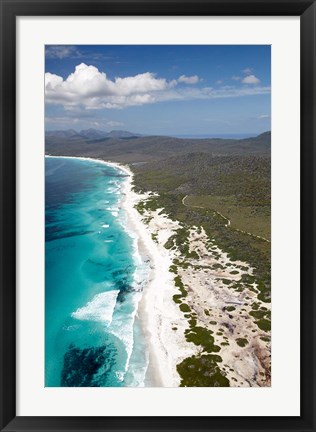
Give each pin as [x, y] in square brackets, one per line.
[226, 313]
[221, 297]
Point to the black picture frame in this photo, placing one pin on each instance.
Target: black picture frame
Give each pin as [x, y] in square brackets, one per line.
[10, 9]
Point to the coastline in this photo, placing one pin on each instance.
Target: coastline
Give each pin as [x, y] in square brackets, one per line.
[156, 308]
[157, 312]
[221, 295]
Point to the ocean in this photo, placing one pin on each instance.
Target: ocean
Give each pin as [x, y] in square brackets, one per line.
[94, 277]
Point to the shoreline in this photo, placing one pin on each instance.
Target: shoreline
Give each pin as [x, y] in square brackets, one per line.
[158, 372]
[221, 299]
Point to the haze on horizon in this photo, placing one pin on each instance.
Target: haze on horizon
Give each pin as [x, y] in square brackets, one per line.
[159, 90]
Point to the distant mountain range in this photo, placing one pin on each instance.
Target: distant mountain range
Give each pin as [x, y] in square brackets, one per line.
[128, 147]
[88, 134]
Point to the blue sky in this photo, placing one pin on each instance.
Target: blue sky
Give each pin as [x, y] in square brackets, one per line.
[164, 90]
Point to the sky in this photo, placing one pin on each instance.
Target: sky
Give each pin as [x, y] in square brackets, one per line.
[159, 89]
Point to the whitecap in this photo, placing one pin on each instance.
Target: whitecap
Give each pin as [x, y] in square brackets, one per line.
[112, 190]
[105, 226]
[99, 309]
[119, 375]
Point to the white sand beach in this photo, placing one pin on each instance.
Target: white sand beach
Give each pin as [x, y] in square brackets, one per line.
[225, 312]
[164, 323]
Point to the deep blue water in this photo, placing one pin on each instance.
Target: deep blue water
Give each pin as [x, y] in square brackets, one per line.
[92, 337]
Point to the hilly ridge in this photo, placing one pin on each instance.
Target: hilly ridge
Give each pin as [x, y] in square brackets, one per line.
[123, 146]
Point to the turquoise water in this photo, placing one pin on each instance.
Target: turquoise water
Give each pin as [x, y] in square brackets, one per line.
[92, 274]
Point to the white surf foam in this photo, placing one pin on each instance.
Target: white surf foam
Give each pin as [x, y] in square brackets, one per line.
[123, 324]
[99, 309]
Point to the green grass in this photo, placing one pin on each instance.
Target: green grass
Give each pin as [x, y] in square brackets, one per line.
[253, 219]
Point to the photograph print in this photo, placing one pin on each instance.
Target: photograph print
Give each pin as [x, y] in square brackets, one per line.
[158, 216]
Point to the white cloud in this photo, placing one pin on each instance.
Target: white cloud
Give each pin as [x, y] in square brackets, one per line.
[264, 116]
[236, 78]
[112, 123]
[194, 79]
[90, 89]
[62, 120]
[250, 79]
[61, 51]
[247, 71]
[71, 51]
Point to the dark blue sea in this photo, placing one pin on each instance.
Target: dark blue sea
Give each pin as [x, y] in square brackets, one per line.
[92, 279]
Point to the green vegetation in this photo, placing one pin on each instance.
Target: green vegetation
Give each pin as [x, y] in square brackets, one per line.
[242, 342]
[173, 269]
[184, 307]
[226, 281]
[177, 298]
[150, 204]
[254, 219]
[198, 335]
[181, 240]
[202, 371]
[258, 314]
[234, 272]
[133, 148]
[236, 185]
[230, 308]
[238, 245]
[263, 317]
[264, 324]
[203, 337]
